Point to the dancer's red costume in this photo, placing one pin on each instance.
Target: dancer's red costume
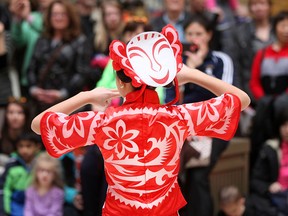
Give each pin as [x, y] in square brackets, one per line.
[141, 142]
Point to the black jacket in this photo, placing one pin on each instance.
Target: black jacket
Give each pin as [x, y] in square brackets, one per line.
[266, 169]
[70, 70]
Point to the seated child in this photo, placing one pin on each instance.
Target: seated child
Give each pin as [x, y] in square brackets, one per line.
[233, 203]
[45, 196]
[17, 175]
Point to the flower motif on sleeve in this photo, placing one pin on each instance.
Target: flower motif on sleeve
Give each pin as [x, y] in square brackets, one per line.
[120, 139]
[74, 123]
[206, 109]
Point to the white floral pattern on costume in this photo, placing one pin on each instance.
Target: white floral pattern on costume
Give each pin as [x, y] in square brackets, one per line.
[75, 124]
[120, 139]
[142, 160]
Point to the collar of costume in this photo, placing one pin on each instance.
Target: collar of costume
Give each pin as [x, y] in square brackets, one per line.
[148, 96]
[150, 58]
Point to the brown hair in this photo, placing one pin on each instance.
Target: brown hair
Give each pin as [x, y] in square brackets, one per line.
[8, 144]
[57, 170]
[101, 40]
[250, 2]
[73, 30]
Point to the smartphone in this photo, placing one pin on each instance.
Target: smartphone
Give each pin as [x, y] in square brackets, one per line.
[190, 47]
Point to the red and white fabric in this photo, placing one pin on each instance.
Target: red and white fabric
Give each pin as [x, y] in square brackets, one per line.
[140, 143]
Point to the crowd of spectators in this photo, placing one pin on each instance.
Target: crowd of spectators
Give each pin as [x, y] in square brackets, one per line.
[53, 49]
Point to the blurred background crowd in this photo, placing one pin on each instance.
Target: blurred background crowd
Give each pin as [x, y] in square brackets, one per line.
[53, 49]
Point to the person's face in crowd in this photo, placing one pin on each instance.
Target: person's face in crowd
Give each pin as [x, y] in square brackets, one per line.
[112, 17]
[174, 5]
[43, 4]
[59, 17]
[196, 34]
[259, 9]
[45, 174]
[282, 32]
[235, 208]
[284, 131]
[15, 116]
[27, 150]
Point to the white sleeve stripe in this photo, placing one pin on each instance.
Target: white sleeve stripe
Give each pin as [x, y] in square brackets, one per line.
[228, 68]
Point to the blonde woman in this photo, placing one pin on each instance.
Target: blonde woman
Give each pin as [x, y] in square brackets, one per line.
[109, 26]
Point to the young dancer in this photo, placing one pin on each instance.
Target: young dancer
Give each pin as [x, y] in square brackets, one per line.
[141, 140]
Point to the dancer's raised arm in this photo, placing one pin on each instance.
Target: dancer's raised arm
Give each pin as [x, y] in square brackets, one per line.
[216, 86]
[99, 97]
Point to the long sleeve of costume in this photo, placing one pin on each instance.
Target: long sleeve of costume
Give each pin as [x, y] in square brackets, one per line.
[57, 130]
[217, 117]
[255, 82]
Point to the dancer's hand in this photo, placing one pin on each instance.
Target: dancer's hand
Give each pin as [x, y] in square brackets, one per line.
[101, 97]
[98, 96]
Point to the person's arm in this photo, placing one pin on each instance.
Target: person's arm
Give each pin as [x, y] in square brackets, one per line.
[7, 194]
[216, 86]
[22, 30]
[99, 97]
[2, 40]
[3, 48]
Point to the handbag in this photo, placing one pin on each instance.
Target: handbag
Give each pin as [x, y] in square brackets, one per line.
[197, 152]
